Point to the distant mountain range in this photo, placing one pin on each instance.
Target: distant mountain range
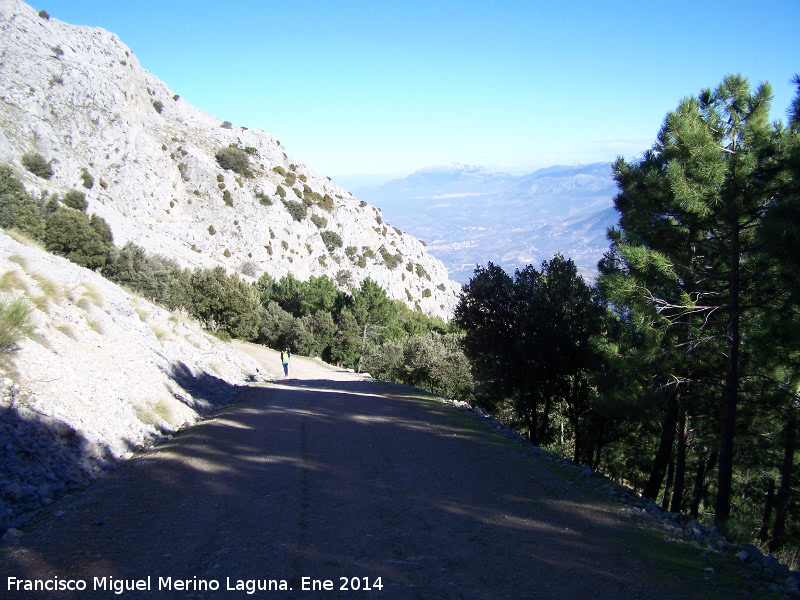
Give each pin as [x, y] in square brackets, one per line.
[469, 215]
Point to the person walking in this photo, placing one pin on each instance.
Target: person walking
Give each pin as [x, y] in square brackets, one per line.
[285, 356]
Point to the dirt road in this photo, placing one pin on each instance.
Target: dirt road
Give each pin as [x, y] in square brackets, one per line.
[349, 486]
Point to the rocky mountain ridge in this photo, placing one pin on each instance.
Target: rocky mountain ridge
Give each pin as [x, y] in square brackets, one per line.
[146, 160]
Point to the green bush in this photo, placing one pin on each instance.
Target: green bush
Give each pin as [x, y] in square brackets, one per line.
[75, 199]
[227, 198]
[43, 14]
[36, 164]
[327, 203]
[291, 178]
[433, 361]
[86, 177]
[224, 303]
[320, 222]
[155, 277]
[227, 125]
[263, 198]
[18, 209]
[234, 159]
[275, 326]
[72, 234]
[421, 272]
[280, 191]
[332, 240]
[280, 171]
[158, 105]
[391, 260]
[298, 210]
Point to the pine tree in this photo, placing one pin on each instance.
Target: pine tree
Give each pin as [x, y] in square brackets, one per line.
[685, 256]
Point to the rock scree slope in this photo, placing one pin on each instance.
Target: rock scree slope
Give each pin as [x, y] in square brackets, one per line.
[338, 478]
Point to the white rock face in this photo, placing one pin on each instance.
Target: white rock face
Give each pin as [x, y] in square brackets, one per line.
[107, 363]
[78, 97]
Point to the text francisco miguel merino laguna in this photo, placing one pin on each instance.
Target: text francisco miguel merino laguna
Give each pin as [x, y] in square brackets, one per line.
[120, 586]
[249, 586]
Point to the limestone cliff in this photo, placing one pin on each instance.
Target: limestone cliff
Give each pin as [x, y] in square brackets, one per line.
[78, 97]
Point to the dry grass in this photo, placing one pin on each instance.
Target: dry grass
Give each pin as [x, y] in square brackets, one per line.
[67, 330]
[13, 280]
[156, 414]
[92, 294]
[23, 239]
[42, 303]
[20, 260]
[161, 332]
[49, 287]
[94, 326]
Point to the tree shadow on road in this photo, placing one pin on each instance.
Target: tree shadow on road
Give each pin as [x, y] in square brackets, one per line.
[329, 479]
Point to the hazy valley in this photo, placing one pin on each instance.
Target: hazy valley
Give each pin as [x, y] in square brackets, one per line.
[469, 215]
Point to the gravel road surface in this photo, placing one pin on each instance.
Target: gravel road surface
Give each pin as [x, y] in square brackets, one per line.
[330, 485]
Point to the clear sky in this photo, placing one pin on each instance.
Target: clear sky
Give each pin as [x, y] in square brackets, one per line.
[360, 87]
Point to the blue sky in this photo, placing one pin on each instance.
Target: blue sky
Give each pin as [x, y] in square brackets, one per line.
[359, 88]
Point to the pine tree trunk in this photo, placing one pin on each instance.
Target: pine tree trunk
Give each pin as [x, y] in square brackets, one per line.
[705, 472]
[662, 457]
[782, 499]
[363, 348]
[680, 464]
[769, 503]
[668, 485]
[730, 392]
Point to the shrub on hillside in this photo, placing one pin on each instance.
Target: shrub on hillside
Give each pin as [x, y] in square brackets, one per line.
[332, 240]
[155, 277]
[71, 233]
[75, 199]
[234, 159]
[391, 260]
[18, 209]
[87, 178]
[275, 327]
[434, 362]
[298, 210]
[224, 303]
[36, 164]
